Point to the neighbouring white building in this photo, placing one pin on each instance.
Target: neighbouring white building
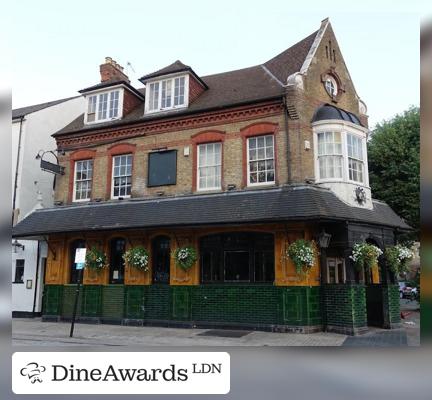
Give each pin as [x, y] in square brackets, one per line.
[32, 188]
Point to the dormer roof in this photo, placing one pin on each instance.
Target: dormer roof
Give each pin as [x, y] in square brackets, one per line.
[176, 67]
[110, 83]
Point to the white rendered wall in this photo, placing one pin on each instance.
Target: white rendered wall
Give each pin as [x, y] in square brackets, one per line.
[36, 135]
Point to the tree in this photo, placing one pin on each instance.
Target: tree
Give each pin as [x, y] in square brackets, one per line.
[394, 164]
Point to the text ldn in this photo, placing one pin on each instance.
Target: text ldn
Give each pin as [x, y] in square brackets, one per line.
[204, 368]
[62, 373]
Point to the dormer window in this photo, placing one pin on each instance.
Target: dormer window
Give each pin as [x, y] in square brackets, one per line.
[104, 106]
[167, 94]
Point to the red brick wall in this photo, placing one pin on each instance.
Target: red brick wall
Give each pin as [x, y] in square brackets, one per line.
[130, 102]
[195, 89]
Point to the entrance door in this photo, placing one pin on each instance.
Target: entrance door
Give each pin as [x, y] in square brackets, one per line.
[116, 270]
[161, 259]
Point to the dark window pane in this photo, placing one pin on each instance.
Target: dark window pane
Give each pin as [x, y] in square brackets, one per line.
[161, 259]
[236, 266]
[19, 271]
[237, 257]
[162, 168]
[264, 267]
[117, 250]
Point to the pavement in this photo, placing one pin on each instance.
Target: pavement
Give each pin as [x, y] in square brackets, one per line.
[34, 332]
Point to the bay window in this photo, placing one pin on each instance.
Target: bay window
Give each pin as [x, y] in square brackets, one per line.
[83, 180]
[209, 166]
[167, 94]
[261, 162]
[121, 176]
[330, 155]
[355, 158]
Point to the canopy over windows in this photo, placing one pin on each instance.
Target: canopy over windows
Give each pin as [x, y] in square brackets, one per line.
[327, 111]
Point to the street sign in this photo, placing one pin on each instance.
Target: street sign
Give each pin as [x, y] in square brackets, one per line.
[80, 256]
[79, 261]
[51, 167]
[80, 266]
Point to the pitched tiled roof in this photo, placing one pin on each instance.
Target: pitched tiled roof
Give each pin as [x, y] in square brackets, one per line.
[23, 111]
[295, 203]
[225, 89]
[176, 66]
[290, 60]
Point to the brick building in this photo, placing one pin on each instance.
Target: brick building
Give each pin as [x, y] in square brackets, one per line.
[236, 165]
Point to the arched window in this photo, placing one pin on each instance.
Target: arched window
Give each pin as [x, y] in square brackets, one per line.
[74, 273]
[237, 257]
[161, 259]
[116, 270]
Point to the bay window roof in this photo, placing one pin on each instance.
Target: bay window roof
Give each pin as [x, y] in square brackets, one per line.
[328, 111]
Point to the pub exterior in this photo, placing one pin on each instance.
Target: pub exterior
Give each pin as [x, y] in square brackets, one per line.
[235, 167]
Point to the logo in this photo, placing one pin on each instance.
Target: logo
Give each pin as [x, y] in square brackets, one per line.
[32, 371]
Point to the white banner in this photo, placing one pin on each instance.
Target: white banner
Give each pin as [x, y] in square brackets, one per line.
[121, 373]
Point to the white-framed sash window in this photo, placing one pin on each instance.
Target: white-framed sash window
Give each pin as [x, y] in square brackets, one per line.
[355, 158]
[209, 169]
[121, 176]
[260, 160]
[330, 157]
[103, 106]
[83, 177]
[167, 94]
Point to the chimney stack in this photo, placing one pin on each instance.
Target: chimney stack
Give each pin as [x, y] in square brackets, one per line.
[111, 71]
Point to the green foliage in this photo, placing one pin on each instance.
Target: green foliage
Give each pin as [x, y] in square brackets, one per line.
[397, 258]
[185, 257]
[394, 164]
[137, 257]
[365, 255]
[302, 254]
[95, 259]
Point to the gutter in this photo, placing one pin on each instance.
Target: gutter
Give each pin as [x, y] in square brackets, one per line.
[288, 143]
[17, 167]
[36, 278]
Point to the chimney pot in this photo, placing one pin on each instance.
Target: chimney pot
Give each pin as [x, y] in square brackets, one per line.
[111, 71]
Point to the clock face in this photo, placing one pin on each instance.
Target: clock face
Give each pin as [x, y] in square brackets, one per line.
[331, 86]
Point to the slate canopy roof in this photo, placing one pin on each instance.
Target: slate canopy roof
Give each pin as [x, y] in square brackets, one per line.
[294, 203]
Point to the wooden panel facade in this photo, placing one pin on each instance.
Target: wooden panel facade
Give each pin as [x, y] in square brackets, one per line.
[58, 267]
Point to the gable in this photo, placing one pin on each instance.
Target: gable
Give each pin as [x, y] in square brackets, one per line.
[326, 60]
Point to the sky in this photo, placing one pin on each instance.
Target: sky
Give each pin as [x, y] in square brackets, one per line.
[56, 47]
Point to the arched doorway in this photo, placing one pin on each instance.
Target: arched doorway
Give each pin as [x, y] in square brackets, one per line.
[74, 272]
[116, 268]
[161, 256]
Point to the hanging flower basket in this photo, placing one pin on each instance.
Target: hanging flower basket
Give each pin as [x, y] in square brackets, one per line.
[137, 257]
[185, 257]
[95, 259]
[301, 252]
[365, 255]
[397, 258]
